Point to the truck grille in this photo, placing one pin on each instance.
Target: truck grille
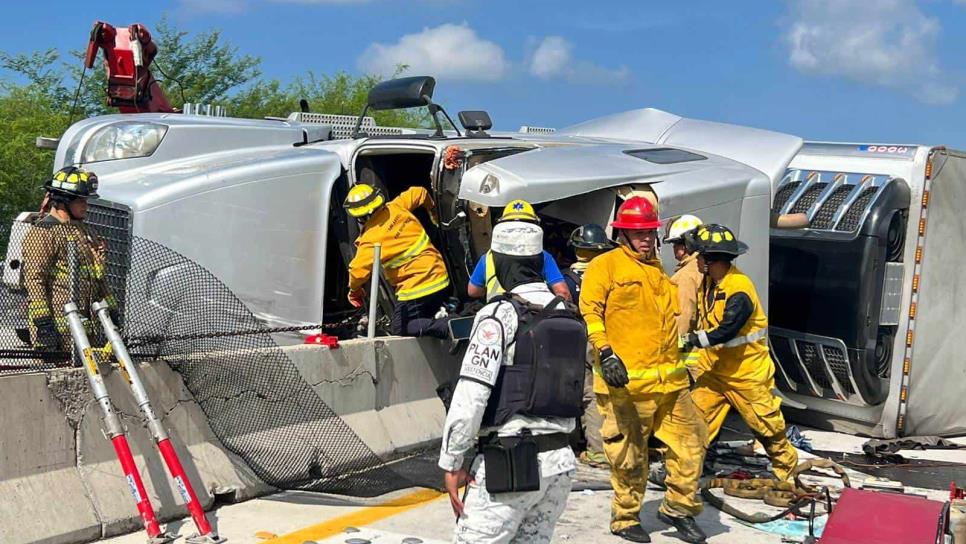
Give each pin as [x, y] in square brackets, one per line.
[829, 208]
[838, 361]
[823, 219]
[783, 194]
[809, 197]
[112, 223]
[850, 222]
[813, 363]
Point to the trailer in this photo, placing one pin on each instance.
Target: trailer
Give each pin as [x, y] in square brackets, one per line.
[866, 302]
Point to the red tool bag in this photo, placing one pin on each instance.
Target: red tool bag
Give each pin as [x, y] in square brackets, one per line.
[869, 517]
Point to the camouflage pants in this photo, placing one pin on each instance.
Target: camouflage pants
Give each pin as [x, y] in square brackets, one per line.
[526, 517]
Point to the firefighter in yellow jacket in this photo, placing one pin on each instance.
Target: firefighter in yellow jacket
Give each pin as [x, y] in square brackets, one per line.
[687, 278]
[733, 344]
[631, 307]
[63, 261]
[413, 265]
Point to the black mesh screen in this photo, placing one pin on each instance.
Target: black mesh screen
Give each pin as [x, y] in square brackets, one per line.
[783, 194]
[813, 363]
[809, 197]
[839, 363]
[850, 221]
[823, 219]
[253, 395]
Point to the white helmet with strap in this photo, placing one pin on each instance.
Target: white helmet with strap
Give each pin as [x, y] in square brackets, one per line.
[677, 228]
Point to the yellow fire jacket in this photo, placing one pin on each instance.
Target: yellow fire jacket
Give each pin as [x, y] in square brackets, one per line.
[632, 307]
[687, 278]
[47, 273]
[744, 357]
[413, 266]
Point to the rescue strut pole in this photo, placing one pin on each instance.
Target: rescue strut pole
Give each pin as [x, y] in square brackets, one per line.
[115, 431]
[374, 288]
[129, 370]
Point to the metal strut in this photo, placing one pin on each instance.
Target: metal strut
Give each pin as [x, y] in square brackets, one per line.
[130, 372]
[115, 431]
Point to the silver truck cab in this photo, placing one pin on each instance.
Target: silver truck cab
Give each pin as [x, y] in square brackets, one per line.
[258, 203]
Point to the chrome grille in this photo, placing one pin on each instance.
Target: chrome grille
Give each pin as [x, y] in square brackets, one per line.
[783, 194]
[112, 223]
[813, 363]
[823, 219]
[838, 361]
[850, 221]
[809, 197]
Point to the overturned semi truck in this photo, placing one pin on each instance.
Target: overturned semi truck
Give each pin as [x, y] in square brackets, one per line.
[257, 203]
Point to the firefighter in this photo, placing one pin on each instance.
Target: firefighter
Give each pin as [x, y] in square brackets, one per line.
[630, 306]
[489, 406]
[483, 281]
[63, 261]
[413, 265]
[688, 279]
[588, 242]
[732, 339]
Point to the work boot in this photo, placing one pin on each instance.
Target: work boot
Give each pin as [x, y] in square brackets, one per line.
[688, 529]
[657, 474]
[634, 533]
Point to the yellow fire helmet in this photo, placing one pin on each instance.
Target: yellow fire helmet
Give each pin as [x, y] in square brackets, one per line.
[519, 210]
[363, 200]
[681, 225]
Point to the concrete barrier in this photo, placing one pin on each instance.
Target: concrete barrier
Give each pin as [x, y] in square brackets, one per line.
[42, 496]
[60, 482]
[385, 390]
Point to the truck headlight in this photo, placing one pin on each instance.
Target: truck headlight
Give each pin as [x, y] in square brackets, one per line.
[123, 140]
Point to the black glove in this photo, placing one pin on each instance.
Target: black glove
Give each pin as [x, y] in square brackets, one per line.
[48, 338]
[612, 369]
[115, 317]
[689, 342]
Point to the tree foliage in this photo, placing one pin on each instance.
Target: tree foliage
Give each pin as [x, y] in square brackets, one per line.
[41, 92]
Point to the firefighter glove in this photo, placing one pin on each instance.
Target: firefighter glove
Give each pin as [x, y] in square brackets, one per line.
[47, 336]
[612, 369]
[356, 297]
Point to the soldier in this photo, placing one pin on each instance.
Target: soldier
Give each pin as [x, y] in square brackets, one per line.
[63, 261]
[630, 307]
[733, 344]
[514, 419]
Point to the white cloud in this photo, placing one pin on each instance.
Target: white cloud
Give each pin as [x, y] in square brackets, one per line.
[193, 7]
[554, 58]
[447, 52]
[887, 42]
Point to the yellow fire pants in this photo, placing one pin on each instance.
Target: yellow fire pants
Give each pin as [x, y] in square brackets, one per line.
[628, 422]
[757, 406]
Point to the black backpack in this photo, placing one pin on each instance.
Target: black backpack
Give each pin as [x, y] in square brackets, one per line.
[546, 378]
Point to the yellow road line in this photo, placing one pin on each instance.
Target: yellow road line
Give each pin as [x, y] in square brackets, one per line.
[361, 517]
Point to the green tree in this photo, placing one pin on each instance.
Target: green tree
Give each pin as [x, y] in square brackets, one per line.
[40, 92]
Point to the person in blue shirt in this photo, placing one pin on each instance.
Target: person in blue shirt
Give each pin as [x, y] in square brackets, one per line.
[483, 281]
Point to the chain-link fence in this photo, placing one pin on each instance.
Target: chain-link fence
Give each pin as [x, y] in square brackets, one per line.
[256, 401]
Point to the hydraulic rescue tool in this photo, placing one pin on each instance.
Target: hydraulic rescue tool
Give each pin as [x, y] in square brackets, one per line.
[130, 372]
[115, 431]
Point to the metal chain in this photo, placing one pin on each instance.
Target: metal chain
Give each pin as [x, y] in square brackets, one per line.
[138, 341]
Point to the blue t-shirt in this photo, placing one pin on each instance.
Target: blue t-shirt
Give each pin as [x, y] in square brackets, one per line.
[551, 272]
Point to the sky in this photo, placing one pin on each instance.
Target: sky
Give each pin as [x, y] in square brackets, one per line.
[874, 71]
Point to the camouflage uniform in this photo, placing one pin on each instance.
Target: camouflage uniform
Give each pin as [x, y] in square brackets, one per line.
[522, 517]
[49, 280]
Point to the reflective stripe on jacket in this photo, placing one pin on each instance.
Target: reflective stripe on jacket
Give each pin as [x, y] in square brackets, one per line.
[413, 265]
[632, 306]
[746, 356]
